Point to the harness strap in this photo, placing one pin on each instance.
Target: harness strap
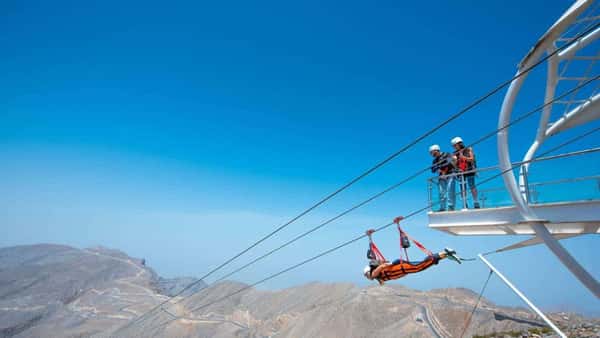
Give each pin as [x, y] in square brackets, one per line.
[402, 247]
[417, 243]
[420, 246]
[378, 255]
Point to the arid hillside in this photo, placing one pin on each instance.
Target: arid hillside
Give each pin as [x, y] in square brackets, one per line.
[59, 291]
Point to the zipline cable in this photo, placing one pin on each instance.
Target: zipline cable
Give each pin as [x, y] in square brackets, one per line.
[468, 321]
[519, 119]
[369, 171]
[414, 213]
[405, 180]
[344, 244]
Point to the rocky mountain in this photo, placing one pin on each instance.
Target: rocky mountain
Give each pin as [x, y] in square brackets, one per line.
[59, 291]
[176, 286]
[344, 310]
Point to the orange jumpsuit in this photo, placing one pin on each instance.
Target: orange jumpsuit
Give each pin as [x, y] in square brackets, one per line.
[400, 268]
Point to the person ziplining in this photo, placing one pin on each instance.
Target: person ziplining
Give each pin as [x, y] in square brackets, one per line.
[382, 270]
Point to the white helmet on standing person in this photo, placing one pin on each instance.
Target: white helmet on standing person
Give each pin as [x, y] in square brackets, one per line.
[456, 140]
[434, 148]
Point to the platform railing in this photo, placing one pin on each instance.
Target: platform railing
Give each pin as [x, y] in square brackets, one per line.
[538, 195]
[578, 188]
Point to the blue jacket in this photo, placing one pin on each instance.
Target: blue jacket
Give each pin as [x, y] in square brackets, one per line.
[444, 163]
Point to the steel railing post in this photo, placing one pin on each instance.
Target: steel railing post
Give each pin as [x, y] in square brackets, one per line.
[524, 171]
[463, 191]
[430, 192]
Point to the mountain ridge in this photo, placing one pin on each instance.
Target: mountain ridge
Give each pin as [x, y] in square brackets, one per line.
[49, 290]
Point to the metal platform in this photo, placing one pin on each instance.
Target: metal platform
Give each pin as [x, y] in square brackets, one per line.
[573, 37]
[562, 218]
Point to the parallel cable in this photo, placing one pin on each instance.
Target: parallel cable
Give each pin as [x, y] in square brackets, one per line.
[403, 181]
[367, 172]
[395, 186]
[344, 244]
[481, 139]
[418, 211]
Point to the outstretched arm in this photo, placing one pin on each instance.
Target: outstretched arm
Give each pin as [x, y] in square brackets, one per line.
[378, 269]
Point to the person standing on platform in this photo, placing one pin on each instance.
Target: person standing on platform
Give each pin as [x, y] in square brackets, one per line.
[466, 164]
[444, 165]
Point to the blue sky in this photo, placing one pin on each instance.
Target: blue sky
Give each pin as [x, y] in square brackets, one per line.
[183, 133]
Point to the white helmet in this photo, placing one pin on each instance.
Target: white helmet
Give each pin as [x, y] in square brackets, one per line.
[366, 270]
[434, 147]
[456, 140]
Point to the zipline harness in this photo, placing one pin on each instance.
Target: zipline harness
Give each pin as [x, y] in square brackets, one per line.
[375, 254]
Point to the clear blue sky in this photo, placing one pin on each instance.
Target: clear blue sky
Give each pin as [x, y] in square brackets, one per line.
[184, 132]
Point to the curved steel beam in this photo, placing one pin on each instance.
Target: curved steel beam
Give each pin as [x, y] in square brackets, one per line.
[504, 155]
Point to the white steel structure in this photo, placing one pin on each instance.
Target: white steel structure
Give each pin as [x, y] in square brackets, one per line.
[582, 112]
[522, 296]
[548, 222]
